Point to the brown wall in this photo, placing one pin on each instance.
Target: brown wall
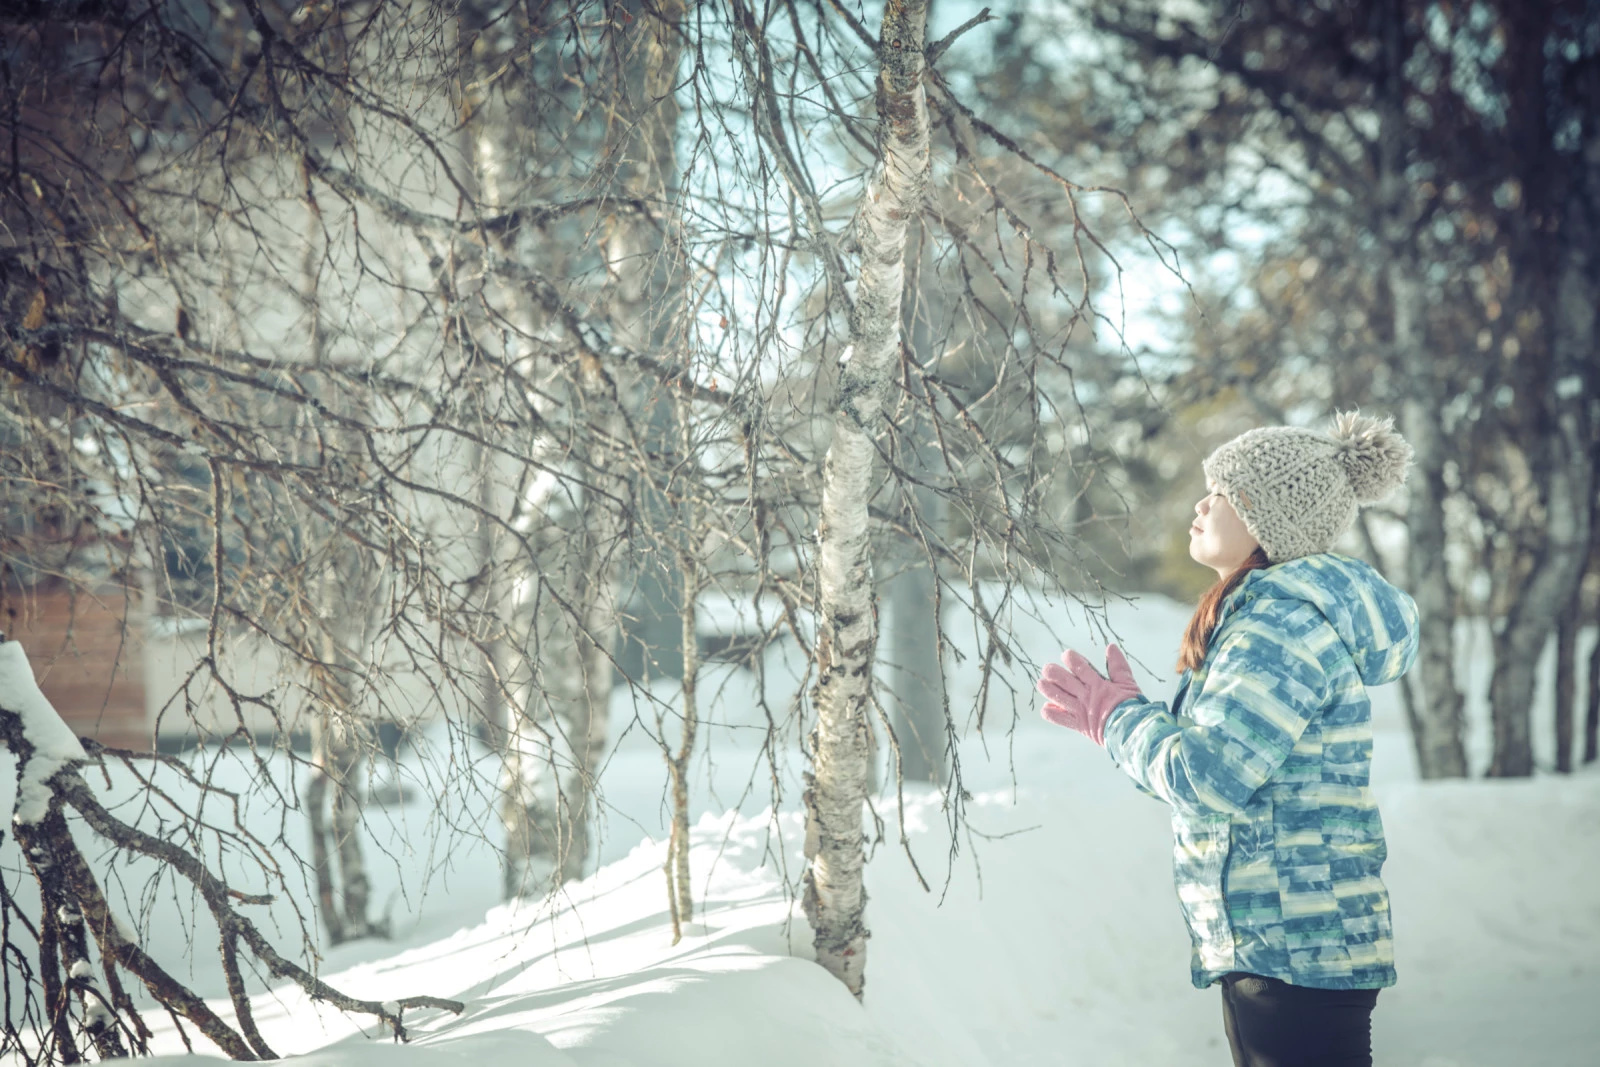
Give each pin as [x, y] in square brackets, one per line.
[86, 654]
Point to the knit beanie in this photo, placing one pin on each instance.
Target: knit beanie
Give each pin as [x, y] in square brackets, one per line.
[1297, 490]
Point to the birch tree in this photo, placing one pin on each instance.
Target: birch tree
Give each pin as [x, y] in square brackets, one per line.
[835, 897]
[580, 305]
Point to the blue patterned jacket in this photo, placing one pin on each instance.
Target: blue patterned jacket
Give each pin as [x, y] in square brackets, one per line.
[1266, 761]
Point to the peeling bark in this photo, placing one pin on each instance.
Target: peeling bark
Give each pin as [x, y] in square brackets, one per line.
[834, 896]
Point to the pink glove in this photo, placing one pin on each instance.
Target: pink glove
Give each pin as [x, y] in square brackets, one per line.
[1080, 698]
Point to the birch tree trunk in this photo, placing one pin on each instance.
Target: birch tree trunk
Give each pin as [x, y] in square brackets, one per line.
[587, 722]
[647, 135]
[1437, 719]
[835, 899]
[1530, 621]
[1591, 713]
[494, 145]
[560, 740]
[339, 745]
[340, 739]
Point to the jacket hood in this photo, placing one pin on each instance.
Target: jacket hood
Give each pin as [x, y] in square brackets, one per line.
[1376, 621]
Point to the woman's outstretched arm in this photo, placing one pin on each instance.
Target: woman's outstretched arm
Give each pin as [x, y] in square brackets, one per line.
[1264, 685]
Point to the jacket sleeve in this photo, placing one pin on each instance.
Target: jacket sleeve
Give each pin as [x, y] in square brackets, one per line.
[1264, 684]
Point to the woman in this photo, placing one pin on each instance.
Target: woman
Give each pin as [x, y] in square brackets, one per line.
[1265, 755]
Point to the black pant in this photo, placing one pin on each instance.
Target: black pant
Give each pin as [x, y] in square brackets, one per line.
[1274, 1024]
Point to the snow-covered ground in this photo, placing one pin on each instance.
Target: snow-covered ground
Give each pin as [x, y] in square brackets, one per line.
[1051, 934]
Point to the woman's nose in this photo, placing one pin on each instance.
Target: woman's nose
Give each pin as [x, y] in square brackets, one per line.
[1200, 505]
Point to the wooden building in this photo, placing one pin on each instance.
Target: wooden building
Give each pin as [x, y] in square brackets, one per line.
[86, 647]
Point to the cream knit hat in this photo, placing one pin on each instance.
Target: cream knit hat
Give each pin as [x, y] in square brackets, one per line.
[1297, 490]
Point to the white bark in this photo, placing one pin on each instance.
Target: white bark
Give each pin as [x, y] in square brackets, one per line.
[531, 672]
[1569, 477]
[1566, 676]
[492, 142]
[1591, 714]
[340, 739]
[587, 722]
[835, 898]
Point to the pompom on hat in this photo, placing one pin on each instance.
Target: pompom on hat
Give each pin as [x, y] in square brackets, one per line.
[1297, 490]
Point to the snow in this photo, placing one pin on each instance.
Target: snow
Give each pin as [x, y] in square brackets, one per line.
[54, 744]
[1052, 936]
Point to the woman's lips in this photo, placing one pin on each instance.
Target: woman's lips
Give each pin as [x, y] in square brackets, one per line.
[1193, 529]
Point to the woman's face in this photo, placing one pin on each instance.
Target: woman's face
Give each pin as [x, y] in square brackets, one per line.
[1219, 538]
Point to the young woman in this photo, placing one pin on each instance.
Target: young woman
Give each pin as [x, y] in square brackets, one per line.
[1265, 753]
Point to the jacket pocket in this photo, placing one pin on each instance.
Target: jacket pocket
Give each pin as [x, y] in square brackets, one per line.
[1251, 893]
[1200, 856]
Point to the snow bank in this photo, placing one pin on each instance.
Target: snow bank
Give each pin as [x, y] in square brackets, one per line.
[1052, 935]
[1052, 938]
[593, 980]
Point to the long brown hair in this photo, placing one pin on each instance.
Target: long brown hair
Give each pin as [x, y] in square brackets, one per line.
[1197, 635]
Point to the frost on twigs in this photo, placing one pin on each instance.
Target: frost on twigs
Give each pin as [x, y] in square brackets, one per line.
[53, 990]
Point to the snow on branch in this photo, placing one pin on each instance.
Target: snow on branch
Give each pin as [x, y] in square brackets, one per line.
[51, 742]
[74, 907]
